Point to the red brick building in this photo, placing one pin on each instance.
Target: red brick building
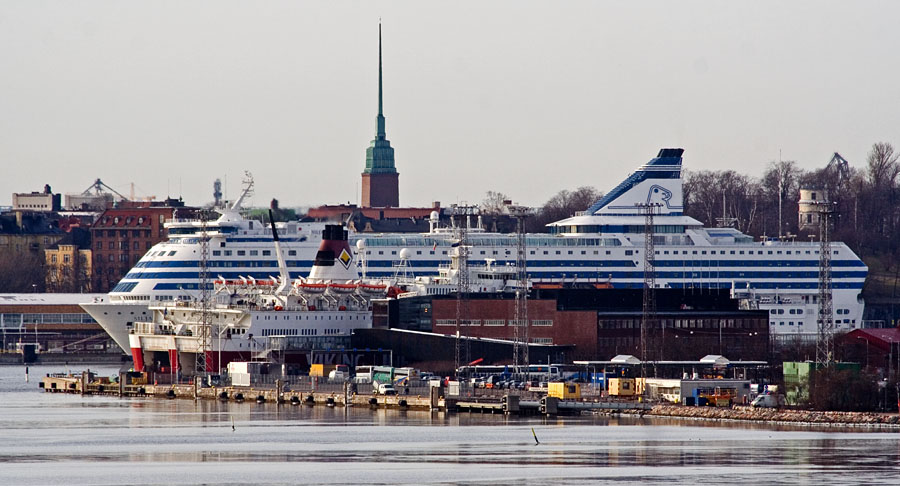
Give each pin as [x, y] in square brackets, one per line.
[123, 234]
[495, 318]
[600, 323]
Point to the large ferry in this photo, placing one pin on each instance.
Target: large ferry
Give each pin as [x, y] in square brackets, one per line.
[603, 243]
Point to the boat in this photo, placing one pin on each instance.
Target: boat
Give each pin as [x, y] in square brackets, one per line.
[603, 244]
[249, 320]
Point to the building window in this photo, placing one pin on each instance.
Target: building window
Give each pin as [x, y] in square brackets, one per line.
[542, 322]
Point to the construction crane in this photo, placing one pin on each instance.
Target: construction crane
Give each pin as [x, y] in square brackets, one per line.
[841, 166]
[98, 187]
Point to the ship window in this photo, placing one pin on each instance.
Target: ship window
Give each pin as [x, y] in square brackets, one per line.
[241, 252]
[253, 252]
[545, 252]
[217, 253]
[227, 252]
[267, 252]
[292, 252]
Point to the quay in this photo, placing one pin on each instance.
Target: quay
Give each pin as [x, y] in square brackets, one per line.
[85, 384]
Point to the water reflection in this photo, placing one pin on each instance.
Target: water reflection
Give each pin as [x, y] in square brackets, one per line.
[191, 442]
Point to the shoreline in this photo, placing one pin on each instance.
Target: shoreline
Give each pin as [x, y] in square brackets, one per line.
[771, 416]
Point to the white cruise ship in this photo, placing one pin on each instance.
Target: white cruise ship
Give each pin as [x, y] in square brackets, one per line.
[606, 242]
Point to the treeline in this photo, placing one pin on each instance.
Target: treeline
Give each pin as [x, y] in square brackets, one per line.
[865, 199]
[866, 204]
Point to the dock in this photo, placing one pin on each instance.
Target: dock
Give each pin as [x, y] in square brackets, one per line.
[510, 404]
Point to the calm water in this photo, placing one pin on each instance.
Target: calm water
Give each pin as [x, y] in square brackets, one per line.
[63, 439]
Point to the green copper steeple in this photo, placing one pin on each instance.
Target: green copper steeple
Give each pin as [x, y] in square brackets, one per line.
[380, 154]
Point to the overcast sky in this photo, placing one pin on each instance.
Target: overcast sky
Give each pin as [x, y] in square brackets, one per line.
[525, 98]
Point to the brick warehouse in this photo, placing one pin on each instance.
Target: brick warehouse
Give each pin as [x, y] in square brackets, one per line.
[123, 234]
[601, 323]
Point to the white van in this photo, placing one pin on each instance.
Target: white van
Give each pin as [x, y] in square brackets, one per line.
[769, 400]
[384, 389]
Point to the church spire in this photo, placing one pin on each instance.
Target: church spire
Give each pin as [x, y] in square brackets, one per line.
[380, 132]
[380, 178]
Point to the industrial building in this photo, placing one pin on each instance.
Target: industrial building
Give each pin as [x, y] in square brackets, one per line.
[597, 323]
[55, 322]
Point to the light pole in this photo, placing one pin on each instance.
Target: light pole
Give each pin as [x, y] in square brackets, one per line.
[867, 350]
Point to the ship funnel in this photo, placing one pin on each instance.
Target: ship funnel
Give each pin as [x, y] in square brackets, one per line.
[334, 260]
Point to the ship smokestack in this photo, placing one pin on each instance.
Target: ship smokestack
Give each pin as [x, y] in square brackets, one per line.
[334, 260]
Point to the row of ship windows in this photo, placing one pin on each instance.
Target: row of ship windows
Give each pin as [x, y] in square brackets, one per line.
[224, 252]
[749, 252]
[492, 242]
[800, 311]
[293, 332]
[800, 323]
[341, 317]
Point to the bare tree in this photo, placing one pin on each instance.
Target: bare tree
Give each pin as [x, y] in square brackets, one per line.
[21, 272]
[494, 202]
[563, 205]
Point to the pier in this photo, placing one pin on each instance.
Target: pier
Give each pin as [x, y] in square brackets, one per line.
[510, 404]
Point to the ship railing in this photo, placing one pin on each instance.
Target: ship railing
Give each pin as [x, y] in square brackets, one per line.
[874, 324]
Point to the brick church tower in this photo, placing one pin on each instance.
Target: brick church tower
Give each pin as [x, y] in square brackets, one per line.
[380, 179]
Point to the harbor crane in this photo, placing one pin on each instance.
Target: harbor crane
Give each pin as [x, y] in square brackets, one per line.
[98, 187]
